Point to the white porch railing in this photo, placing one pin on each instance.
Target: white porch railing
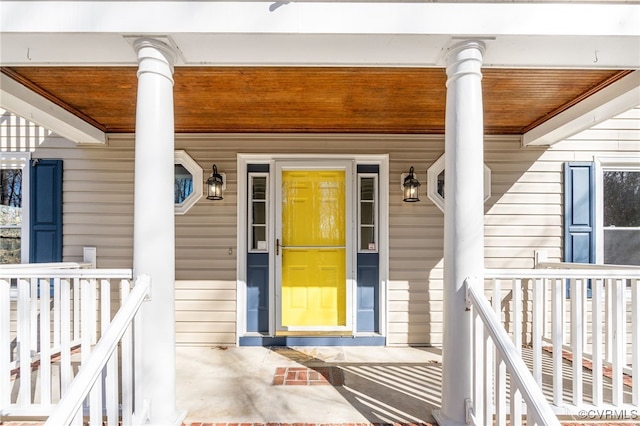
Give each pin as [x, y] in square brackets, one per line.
[49, 321]
[104, 360]
[496, 358]
[575, 319]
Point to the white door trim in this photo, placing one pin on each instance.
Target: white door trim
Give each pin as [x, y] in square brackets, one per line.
[382, 160]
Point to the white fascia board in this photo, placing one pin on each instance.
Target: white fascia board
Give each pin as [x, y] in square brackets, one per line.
[323, 17]
[31, 106]
[614, 99]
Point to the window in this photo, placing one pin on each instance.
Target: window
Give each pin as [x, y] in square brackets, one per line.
[13, 208]
[367, 212]
[187, 182]
[435, 182]
[10, 215]
[620, 213]
[258, 208]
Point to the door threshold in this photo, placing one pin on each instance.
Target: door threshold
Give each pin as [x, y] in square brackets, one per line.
[314, 333]
[351, 340]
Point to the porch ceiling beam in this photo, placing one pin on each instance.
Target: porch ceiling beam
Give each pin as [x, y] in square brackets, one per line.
[36, 108]
[604, 104]
[322, 17]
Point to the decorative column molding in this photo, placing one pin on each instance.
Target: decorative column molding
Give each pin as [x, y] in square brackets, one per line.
[153, 234]
[463, 221]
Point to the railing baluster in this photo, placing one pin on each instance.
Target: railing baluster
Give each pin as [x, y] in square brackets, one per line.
[127, 363]
[5, 342]
[635, 341]
[538, 328]
[479, 371]
[557, 338]
[56, 312]
[596, 345]
[500, 391]
[516, 313]
[76, 310]
[65, 335]
[86, 322]
[577, 287]
[33, 311]
[489, 351]
[618, 342]
[45, 342]
[609, 302]
[515, 398]
[111, 385]
[24, 341]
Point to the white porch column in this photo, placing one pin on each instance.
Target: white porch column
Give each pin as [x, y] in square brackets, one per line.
[153, 235]
[463, 220]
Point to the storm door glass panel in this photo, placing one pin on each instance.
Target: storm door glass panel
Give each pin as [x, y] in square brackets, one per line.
[183, 184]
[367, 203]
[621, 217]
[313, 248]
[10, 215]
[258, 212]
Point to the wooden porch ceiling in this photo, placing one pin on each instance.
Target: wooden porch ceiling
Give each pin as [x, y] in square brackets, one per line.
[314, 99]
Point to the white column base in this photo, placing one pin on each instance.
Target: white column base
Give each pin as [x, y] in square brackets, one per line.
[443, 420]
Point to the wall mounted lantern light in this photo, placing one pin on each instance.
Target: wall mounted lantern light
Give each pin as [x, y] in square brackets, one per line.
[215, 185]
[410, 187]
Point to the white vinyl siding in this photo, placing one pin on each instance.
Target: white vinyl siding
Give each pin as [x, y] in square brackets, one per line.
[523, 214]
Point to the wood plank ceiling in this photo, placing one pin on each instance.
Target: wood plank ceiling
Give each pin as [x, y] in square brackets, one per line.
[312, 99]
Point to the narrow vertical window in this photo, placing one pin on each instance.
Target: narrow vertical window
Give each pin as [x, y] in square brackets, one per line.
[368, 212]
[10, 215]
[258, 207]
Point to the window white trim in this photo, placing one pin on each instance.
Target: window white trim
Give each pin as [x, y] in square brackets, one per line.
[185, 160]
[432, 182]
[603, 164]
[20, 160]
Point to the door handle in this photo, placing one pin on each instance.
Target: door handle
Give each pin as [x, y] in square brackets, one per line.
[277, 246]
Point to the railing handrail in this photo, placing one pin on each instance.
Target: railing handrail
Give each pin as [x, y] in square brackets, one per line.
[538, 407]
[88, 374]
[65, 273]
[587, 273]
[48, 265]
[598, 266]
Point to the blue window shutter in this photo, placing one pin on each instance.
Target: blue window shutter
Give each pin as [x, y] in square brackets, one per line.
[579, 213]
[45, 240]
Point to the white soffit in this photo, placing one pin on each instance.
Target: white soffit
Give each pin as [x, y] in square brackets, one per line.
[614, 99]
[29, 105]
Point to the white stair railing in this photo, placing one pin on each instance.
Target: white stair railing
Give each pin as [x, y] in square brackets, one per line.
[496, 358]
[48, 326]
[574, 318]
[103, 364]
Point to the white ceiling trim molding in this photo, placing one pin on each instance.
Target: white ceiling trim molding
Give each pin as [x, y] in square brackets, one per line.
[31, 106]
[614, 99]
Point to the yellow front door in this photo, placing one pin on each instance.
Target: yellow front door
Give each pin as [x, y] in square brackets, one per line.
[313, 250]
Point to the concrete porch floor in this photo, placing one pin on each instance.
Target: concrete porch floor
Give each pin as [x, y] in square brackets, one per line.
[318, 385]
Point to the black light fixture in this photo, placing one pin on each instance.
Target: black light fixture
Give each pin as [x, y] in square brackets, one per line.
[410, 187]
[214, 185]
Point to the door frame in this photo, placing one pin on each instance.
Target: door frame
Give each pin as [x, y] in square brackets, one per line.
[381, 160]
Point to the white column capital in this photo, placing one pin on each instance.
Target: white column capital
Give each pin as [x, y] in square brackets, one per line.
[155, 56]
[463, 58]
